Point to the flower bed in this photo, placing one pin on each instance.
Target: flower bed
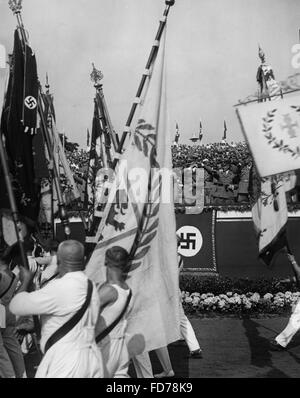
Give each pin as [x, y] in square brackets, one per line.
[239, 304]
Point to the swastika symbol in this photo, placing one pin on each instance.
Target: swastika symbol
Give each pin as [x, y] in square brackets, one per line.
[30, 102]
[189, 241]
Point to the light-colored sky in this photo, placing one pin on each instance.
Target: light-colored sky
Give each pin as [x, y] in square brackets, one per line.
[212, 48]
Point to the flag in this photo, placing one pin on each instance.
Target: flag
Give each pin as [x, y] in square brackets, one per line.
[225, 132]
[177, 136]
[272, 130]
[18, 126]
[200, 132]
[269, 211]
[88, 138]
[94, 188]
[262, 125]
[145, 223]
[69, 187]
[198, 241]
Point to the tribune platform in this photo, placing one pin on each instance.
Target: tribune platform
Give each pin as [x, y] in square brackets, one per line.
[220, 243]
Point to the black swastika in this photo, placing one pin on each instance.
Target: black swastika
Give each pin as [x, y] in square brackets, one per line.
[189, 241]
[30, 102]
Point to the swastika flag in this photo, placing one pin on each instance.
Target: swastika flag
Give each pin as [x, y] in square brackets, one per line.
[272, 130]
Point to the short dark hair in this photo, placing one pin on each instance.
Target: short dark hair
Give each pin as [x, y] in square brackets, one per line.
[117, 257]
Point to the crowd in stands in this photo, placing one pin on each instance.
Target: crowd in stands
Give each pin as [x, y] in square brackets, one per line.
[227, 169]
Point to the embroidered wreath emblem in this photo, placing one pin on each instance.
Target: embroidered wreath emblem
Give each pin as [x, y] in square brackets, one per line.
[275, 142]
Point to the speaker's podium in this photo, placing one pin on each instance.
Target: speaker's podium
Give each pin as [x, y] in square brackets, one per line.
[77, 230]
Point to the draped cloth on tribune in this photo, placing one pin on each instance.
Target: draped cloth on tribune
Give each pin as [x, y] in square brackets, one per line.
[145, 225]
[270, 179]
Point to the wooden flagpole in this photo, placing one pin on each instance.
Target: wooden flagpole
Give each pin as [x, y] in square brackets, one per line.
[12, 201]
[154, 50]
[153, 53]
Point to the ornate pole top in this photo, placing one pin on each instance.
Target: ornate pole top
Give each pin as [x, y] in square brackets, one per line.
[47, 85]
[15, 6]
[261, 55]
[96, 76]
[170, 2]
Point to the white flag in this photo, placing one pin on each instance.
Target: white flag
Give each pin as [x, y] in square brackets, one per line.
[145, 224]
[272, 130]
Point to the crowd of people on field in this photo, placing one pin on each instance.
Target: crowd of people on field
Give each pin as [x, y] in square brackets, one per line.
[77, 328]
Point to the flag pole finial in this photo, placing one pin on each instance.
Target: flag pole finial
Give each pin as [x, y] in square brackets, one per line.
[47, 85]
[170, 2]
[96, 76]
[15, 6]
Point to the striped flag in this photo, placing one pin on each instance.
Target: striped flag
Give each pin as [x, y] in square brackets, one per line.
[137, 218]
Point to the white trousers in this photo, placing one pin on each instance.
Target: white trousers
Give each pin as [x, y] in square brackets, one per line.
[115, 357]
[187, 331]
[143, 367]
[291, 329]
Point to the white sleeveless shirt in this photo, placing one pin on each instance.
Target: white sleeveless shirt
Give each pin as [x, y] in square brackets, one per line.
[111, 313]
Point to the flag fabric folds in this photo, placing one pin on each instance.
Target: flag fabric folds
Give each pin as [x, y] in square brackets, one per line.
[272, 130]
[269, 212]
[140, 217]
[18, 126]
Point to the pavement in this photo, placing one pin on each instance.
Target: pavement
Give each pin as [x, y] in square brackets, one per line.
[232, 348]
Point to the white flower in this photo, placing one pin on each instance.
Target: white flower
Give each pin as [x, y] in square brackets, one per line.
[268, 296]
[196, 300]
[210, 295]
[229, 294]
[223, 297]
[203, 296]
[255, 297]
[188, 300]
[221, 303]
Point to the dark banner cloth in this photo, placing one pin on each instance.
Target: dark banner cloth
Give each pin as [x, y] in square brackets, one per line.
[198, 238]
[18, 125]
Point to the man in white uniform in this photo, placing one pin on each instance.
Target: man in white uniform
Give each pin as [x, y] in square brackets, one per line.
[114, 296]
[284, 338]
[75, 353]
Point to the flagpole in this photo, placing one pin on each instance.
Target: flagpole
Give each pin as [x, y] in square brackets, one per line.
[154, 50]
[12, 201]
[153, 53]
